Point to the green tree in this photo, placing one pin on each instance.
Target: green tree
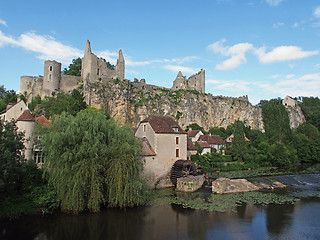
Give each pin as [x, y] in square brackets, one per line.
[74, 68]
[276, 121]
[62, 102]
[11, 158]
[239, 147]
[221, 131]
[311, 109]
[6, 96]
[92, 161]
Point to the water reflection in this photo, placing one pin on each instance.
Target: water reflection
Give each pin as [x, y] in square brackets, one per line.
[300, 221]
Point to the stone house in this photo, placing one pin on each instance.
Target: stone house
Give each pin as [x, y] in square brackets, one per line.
[206, 148]
[192, 149]
[13, 111]
[289, 102]
[215, 142]
[229, 139]
[194, 135]
[164, 142]
[25, 123]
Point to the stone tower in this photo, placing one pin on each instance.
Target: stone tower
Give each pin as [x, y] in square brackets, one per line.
[95, 69]
[120, 67]
[52, 76]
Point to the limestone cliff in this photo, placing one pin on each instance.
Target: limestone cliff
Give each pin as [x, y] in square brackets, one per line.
[130, 102]
[296, 116]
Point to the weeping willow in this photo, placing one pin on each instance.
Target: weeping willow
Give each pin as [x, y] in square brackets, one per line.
[92, 161]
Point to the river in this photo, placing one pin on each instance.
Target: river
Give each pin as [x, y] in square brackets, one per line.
[288, 221]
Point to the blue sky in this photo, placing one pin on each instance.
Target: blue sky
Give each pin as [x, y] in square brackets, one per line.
[260, 48]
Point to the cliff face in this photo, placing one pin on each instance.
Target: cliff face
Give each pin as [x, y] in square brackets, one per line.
[296, 116]
[131, 102]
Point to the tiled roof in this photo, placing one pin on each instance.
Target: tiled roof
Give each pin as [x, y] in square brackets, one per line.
[26, 116]
[193, 133]
[213, 139]
[190, 145]
[134, 129]
[164, 125]
[43, 121]
[147, 150]
[204, 144]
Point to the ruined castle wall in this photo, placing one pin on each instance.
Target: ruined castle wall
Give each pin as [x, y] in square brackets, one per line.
[68, 82]
[89, 68]
[32, 86]
[197, 81]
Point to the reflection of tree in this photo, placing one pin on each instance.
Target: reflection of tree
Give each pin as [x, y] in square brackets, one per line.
[109, 224]
[279, 217]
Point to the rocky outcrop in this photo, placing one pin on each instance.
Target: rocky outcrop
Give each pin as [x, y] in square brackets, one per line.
[131, 102]
[226, 185]
[296, 116]
[190, 183]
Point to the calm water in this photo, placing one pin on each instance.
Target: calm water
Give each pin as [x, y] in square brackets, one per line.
[298, 221]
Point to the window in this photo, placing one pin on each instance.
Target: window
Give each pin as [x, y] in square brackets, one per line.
[144, 127]
[175, 129]
[50, 68]
[177, 152]
[98, 71]
[38, 157]
[50, 76]
[177, 140]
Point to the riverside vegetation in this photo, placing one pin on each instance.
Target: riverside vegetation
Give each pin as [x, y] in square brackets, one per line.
[93, 162]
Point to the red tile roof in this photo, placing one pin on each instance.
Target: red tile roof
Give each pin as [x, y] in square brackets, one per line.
[43, 121]
[147, 150]
[204, 144]
[193, 133]
[213, 139]
[164, 125]
[190, 145]
[26, 116]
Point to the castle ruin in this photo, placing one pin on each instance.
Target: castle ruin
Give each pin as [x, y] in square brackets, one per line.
[93, 69]
[194, 82]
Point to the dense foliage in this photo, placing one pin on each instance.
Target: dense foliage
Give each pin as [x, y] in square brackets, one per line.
[6, 96]
[74, 68]
[91, 161]
[62, 102]
[279, 146]
[22, 189]
[311, 110]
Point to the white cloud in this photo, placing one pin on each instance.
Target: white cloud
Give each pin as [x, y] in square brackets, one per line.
[274, 2]
[278, 24]
[283, 53]
[3, 22]
[180, 68]
[46, 46]
[236, 52]
[295, 25]
[130, 62]
[316, 12]
[236, 86]
[305, 85]
[275, 76]
[109, 56]
[290, 76]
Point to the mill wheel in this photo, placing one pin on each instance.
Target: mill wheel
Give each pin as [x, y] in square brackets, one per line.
[182, 168]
